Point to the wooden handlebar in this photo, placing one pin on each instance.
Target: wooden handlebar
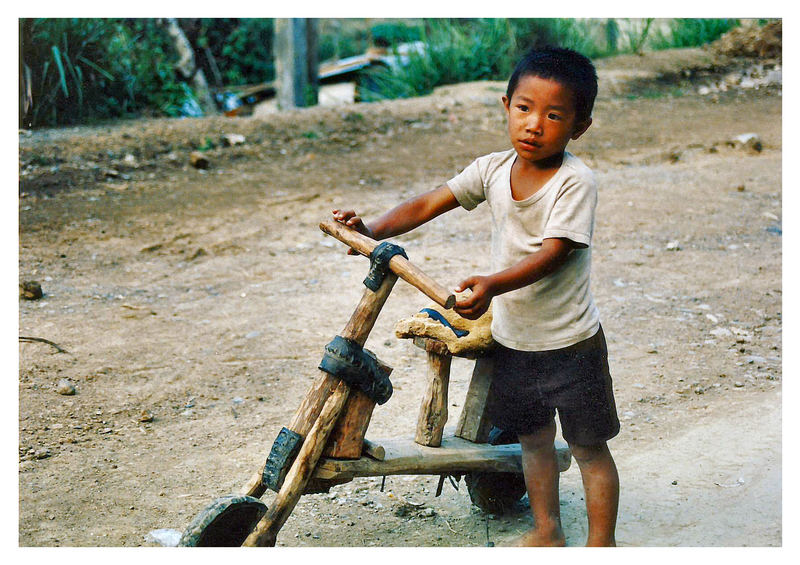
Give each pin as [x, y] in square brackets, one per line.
[399, 265]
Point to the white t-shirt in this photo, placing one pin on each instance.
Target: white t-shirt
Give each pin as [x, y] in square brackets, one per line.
[557, 310]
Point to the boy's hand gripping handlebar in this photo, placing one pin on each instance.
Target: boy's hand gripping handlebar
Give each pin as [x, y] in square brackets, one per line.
[399, 265]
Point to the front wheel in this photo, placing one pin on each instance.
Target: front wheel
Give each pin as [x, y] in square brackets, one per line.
[226, 522]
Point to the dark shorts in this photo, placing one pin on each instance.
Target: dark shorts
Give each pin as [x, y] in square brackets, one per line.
[529, 386]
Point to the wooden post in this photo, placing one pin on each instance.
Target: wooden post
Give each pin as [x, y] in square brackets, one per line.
[474, 424]
[296, 64]
[433, 410]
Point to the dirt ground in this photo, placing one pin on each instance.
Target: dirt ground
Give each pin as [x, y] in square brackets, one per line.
[194, 306]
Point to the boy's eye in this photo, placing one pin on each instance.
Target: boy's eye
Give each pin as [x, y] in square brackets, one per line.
[554, 116]
[523, 107]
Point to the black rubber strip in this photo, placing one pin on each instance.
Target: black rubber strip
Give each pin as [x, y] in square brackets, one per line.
[442, 320]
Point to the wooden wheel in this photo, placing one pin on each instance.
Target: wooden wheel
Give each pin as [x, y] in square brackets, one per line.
[226, 522]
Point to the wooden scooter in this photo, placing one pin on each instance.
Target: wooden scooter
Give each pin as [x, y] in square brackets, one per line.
[324, 444]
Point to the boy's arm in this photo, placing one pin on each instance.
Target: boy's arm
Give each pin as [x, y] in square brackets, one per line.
[403, 218]
[531, 269]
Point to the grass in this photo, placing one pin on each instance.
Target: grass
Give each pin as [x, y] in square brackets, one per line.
[462, 50]
[692, 32]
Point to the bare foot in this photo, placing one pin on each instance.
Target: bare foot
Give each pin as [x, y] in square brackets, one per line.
[534, 538]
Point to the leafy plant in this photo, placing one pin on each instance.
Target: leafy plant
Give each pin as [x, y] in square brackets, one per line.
[470, 49]
[83, 69]
[241, 49]
[66, 66]
[636, 35]
[693, 32]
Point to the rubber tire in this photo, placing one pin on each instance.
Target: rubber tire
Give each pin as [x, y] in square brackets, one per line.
[226, 522]
[496, 493]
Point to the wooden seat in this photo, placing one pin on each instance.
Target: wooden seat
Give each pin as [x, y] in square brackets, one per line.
[441, 344]
[477, 342]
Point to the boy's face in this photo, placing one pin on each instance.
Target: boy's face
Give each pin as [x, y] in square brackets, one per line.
[541, 118]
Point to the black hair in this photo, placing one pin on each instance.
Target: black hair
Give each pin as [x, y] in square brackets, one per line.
[565, 66]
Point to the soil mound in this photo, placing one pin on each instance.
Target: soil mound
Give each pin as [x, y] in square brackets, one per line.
[752, 41]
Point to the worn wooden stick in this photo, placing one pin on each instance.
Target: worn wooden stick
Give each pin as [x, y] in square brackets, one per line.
[399, 264]
[374, 450]
[266, 531]
[433, 410]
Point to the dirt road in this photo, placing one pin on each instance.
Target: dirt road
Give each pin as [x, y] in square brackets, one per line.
[195, 305]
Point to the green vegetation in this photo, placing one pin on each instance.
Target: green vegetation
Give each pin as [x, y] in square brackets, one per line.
[233, 51]
[461, 50]
[471, 49]
[84, 69]
[79, 70]
[691, 32]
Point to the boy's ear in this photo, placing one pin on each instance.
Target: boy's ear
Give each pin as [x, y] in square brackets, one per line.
[506, 102]
[581, 127]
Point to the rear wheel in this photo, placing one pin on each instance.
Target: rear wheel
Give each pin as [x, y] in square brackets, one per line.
[496, 493]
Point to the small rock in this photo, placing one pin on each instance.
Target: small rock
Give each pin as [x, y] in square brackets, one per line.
[674, 482]
[231, 139]
[146, 416]
[748, 141]
[738, 384]
[198, 160]
[130, 160]
[164, 537]
[198, 253]
[251, 335]
[721, 332]
[755, 359]
[238, 400]
[65, 387]
[30, 290]
[674, 245]
[42, 453]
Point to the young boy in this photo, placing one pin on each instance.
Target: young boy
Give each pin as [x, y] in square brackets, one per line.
[551, 352]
